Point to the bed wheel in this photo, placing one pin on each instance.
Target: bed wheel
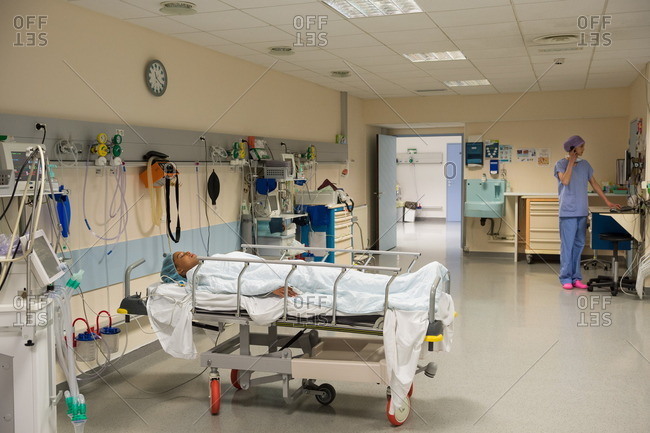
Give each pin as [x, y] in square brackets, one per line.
[388, 392]
[234, 379]
[215, 396]
[400, 416]
[330, 394]
[529, 258]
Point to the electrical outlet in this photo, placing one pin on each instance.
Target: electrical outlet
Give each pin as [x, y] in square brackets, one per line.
[98, 171]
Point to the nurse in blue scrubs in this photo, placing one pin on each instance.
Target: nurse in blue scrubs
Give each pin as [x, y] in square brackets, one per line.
[573, 174]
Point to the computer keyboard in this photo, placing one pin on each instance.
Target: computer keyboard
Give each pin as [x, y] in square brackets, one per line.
[623, 209]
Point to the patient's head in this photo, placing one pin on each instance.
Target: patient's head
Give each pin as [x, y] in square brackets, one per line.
[175, 266]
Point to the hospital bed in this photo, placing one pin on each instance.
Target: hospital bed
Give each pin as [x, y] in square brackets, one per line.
[307, 356]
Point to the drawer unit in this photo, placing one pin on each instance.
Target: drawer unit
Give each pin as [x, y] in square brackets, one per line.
[542, 226]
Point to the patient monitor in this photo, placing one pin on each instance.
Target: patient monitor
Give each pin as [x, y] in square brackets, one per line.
[45, 264]
[12, 157]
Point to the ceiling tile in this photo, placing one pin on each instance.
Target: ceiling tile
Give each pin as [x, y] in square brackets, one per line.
[332, 28]
[626, 44]
[478, 16]
[452, 5]
[395, 23]
[559, 9]
[621, 34]
[423, 47]
[495, 53]
[296, 15]
[226, 20]
[115, 9]
[497, 30]
[162, 25]
[350, 41]
[541, 27]
[201, 5]
[404, 67]
[622, 54]
[501, 63]
[202, 38]
[627, 6]
[490, 42]
[244, 4]
[256, 34]
[406, 36]
[351, 53]
[475, 90]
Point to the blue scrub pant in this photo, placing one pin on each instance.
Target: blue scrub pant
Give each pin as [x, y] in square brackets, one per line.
[573, 231]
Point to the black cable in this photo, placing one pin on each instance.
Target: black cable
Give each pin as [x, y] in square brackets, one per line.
[42, 126]
[205, 207]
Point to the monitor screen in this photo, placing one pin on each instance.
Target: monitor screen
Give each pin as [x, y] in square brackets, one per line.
[273, 201]
[44, 254]
[46, 266]
[18, 157]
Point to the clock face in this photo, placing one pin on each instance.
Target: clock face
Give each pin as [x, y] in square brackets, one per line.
[155, 77]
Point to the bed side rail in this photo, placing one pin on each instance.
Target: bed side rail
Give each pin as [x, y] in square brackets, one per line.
[369, 253]
[294, 264]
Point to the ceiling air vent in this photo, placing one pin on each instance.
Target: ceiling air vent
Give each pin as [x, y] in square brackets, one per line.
[177, 8]
[281, 51]
[340, 74]
[557, 43]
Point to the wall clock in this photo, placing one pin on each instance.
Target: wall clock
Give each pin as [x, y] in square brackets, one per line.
[155, 76]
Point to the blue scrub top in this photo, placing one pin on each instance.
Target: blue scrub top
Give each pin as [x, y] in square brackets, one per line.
[573, 197]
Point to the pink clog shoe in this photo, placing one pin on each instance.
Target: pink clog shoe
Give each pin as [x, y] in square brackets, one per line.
[580, 285]
[567, 286]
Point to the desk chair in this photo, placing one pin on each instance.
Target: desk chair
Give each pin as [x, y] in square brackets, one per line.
[612, 281]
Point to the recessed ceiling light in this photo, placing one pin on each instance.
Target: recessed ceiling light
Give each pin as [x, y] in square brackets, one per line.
[177, 8]
[340, 74]
[467, 83]
[435, 57]
[430, 90]
[368, 8]
[281, 51]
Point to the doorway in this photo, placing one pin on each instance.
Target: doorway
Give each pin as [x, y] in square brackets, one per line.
[429, 173]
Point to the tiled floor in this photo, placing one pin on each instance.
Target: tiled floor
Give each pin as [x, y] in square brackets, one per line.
[527, 356]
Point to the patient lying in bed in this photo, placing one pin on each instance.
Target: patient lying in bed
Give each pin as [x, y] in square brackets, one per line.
[357, 292]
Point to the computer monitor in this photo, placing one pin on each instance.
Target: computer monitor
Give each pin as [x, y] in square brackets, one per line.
[12, 157]
[274, 204]
[45, 263]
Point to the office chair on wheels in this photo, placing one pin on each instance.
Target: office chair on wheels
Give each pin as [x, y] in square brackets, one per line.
[613, 282]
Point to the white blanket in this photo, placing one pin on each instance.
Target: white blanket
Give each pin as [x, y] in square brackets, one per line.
[357, 292]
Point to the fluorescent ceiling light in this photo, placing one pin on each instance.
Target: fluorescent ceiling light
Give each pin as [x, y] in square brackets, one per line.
[467, 83]
[373, 8]
[435, 57]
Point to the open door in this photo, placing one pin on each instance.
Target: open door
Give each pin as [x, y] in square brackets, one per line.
[386, 192]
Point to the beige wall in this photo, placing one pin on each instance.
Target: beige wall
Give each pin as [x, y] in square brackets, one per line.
[92, 69]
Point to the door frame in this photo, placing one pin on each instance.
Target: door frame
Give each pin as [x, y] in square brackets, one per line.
[461, 170]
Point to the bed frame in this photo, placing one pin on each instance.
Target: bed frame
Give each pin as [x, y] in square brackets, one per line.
[307, 355]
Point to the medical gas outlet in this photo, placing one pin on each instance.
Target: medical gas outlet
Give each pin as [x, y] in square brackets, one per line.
[103, 148]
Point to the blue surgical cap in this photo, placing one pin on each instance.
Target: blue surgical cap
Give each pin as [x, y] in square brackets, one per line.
[168, 273]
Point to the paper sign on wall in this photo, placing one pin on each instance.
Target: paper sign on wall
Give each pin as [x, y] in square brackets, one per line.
[543, 157]
[505, 153]
[526, 155]
[491, 149]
